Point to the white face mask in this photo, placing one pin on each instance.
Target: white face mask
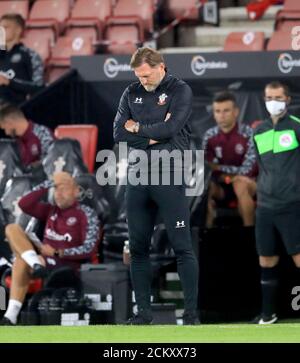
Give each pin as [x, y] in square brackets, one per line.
[275, 108]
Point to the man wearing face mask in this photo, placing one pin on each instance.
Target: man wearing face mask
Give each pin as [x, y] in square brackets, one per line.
[277, 142]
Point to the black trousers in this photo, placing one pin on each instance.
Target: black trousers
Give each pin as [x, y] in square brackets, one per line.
[143, 203]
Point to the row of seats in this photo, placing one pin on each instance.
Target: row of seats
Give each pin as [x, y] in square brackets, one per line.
[282, 38]
[256, 41]
[60, 29]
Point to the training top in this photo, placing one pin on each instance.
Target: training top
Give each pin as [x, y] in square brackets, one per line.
[75, 230]
[24, 67]
[233, 151]
[35, 142]
[278, 156]
[150, 109]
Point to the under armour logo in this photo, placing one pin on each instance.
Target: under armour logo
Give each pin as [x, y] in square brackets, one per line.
[138, 100]
[2, 168]
[59, 164]
[180, 224]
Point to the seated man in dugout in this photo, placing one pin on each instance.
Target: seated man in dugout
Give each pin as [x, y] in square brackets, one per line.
[230, 153]
[70, 238]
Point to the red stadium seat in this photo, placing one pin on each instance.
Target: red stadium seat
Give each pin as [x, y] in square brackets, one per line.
[280, 40]
[138, 12]
[67, 46]
[176, 8]
[290, 11]
[34, 285]
[39, 40]
[87, 135]
[19, 7]
[244, 42]
[86, 32]
[123, 39]
[53, 73]
[90, 13]
[287, 25]
[49, 14]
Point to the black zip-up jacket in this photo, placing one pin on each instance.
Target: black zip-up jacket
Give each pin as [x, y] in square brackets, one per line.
[24, 67]
[150, 109]
[278, 155]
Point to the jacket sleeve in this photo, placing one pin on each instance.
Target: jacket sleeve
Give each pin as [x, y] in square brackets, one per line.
[89, 233]
[180, 110]
[208, 150]
[120, 133]
[31, 204]
[35, 70]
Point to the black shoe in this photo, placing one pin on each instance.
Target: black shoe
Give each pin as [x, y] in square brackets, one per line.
[190, 319]
[263, 319]
[38, 271]
[139, 320]
[6, 321]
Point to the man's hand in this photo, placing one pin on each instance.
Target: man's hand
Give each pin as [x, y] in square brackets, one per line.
[130, 125]
[242, 178]
[168, 115]
[214, 167]
[47, 250]
[4, 81]
[152, 142]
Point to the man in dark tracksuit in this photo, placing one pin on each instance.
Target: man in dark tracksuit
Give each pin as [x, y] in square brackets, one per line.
[154, 114]
[277, 142]
[21, 68]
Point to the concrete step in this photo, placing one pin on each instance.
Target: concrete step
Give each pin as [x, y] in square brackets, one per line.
[210, 37]
[179, 50]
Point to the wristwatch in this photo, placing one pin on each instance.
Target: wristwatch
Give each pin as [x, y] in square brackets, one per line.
[136, 127]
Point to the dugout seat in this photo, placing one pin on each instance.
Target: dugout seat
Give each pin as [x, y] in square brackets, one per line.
[64, 155]
[10, 163]
[49, 14]
[87, 135]
[15, 188]
[244, 42]
[19, 7]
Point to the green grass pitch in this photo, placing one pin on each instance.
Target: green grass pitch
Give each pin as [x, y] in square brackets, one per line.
[222, 333]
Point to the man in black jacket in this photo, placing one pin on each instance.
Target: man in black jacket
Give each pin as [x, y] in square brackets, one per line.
[21, 68]
[277, 142]
[154, 115]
